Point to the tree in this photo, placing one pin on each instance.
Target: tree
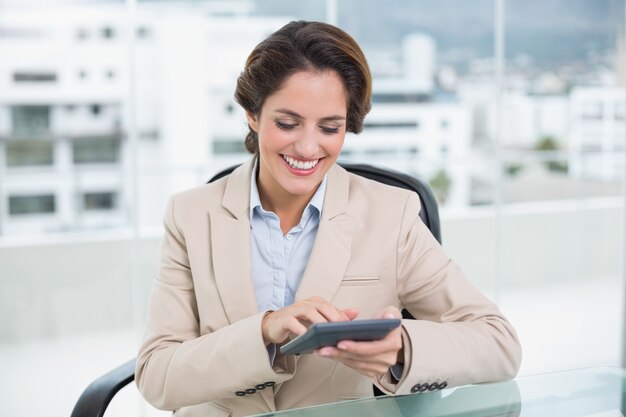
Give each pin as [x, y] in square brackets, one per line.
[440, 184]
[549, 144]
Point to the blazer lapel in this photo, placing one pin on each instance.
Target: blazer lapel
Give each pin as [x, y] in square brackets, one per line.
[332, 248]
[230, 246]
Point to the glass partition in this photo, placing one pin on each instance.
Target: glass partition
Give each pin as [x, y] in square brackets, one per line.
[562, 140]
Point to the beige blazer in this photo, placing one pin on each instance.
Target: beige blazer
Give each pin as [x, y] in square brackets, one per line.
[203, 340]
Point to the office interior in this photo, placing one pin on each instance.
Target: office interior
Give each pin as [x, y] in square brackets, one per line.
[513, 112]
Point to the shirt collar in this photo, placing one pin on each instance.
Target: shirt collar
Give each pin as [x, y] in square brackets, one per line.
[316, 202]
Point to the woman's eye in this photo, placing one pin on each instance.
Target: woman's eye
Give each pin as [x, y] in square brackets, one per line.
[329, 130]
[285, 126]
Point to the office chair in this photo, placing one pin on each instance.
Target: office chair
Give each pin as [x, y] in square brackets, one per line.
[97, 396]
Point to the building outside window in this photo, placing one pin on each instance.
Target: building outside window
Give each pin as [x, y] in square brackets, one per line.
[34, 77]
[29, 153]
[593, 110]
[96, 150]
[30, 120]
[92, 201]
[31, 204]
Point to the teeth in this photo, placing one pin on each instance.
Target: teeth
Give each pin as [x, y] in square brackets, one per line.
[300, 164]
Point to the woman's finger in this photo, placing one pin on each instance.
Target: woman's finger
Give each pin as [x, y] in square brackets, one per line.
[330, 312]
[390, 343]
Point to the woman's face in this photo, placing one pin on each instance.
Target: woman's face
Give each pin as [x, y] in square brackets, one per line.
[301, 129]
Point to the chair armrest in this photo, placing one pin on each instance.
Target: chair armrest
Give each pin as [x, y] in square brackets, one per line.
[94, 400]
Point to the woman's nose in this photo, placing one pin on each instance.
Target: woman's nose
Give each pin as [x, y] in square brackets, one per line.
[307, 145]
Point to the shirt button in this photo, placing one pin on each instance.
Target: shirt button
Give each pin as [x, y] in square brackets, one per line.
[289, 236]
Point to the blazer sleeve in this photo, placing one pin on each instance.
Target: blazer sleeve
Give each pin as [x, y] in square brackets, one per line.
[459, 336]
[176, 365]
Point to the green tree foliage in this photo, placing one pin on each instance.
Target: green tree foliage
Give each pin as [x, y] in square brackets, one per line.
[549, 144]
[513, 169]
[440, 183]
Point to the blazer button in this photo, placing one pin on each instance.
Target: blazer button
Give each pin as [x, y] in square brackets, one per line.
[259, 387]
[250, 391]
[442, 385]
[433, 386]
[415, 388]
[423, 388]
[269, 384]
[240, 393]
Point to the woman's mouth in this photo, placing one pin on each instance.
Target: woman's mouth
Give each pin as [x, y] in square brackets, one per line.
[300, 167]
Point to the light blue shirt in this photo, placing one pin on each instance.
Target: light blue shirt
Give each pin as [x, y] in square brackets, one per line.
[278, 261]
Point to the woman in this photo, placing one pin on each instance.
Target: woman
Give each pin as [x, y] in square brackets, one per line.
[289, 239]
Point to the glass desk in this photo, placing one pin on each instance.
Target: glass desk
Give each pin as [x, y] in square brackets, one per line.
[594, 392]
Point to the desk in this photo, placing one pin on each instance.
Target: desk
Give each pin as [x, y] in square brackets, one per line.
[594, 392]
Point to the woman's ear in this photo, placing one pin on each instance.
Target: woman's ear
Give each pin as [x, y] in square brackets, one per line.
[252, 121]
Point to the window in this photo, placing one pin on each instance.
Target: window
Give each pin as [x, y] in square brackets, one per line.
[34, 77]
[21, 153]
[96, 109]
[30, 120]
[619, 110]
[226, 146]
[108, 32]
[31, 204]
[400, 98]
[96, 150]
[99, 201]
[143, 32]
[82, 34]
[391, 125]
[555, 57]
[592, 110]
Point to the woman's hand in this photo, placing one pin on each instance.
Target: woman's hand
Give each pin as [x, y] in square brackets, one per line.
[295, 318]
[370, 358]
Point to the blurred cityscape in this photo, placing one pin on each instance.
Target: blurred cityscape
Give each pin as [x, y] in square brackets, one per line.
[72, 95]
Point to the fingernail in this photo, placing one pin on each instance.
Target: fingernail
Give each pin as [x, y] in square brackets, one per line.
[342, 346]
[389, 316]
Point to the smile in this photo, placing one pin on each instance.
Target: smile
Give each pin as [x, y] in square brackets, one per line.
[300, 165]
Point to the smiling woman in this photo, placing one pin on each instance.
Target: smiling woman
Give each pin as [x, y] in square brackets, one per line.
[301, 129]
[285, 236]
[302, 89]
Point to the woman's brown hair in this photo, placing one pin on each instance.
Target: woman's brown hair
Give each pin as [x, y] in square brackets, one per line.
[305, 46]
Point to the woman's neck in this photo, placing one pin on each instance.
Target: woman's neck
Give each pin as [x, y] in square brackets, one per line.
[288, 207]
